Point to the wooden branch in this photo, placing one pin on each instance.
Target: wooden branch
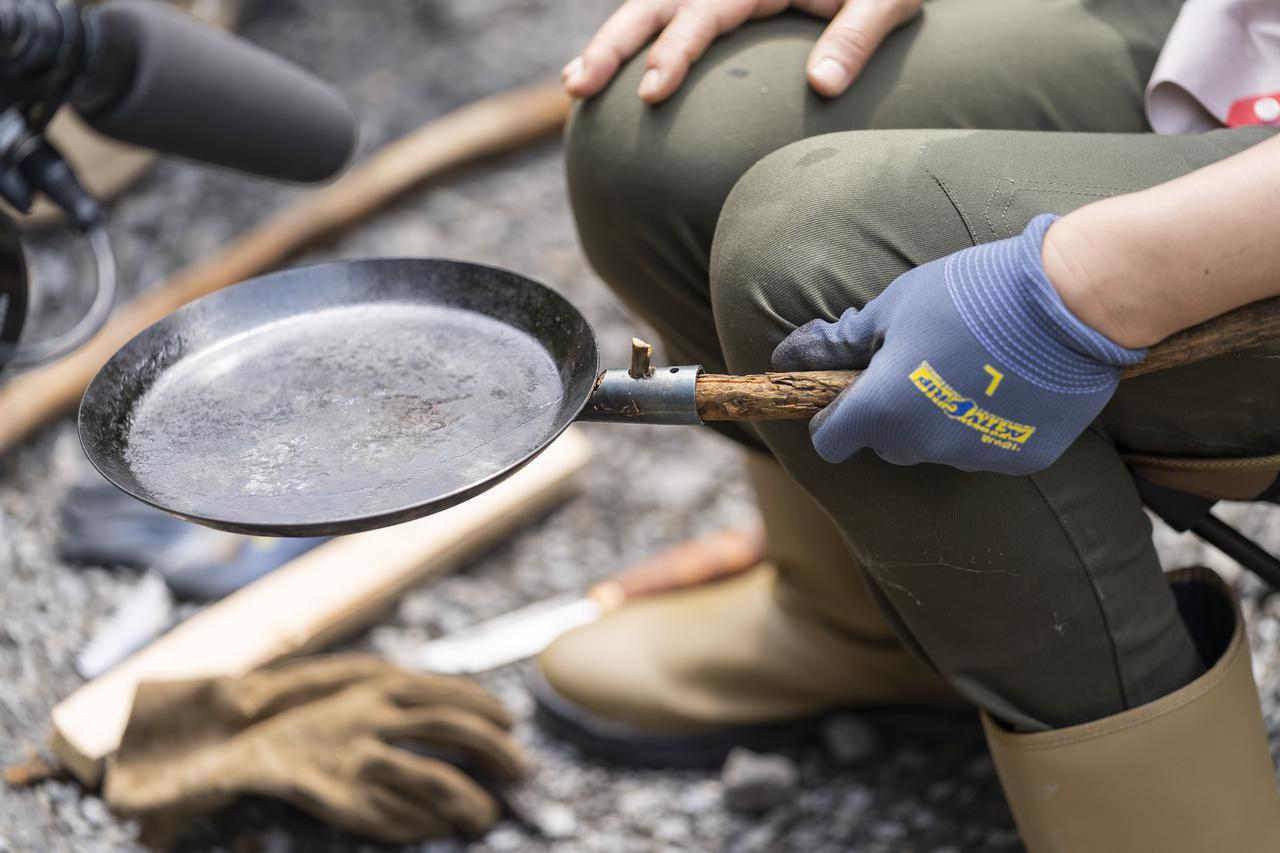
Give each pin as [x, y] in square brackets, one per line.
[769, 396]
[641, 359]
[1236, 330]
[321, 597]
[490, 126]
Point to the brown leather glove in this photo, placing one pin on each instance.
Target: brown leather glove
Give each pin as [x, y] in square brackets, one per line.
[322, 734]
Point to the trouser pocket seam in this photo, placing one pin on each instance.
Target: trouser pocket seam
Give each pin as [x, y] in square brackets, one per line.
[955, 202]
[1046, 188]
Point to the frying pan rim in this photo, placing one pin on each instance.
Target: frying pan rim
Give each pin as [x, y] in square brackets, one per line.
[383, 518]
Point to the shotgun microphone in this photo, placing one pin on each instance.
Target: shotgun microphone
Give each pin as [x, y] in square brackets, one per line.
[141, 72]
[156, 77]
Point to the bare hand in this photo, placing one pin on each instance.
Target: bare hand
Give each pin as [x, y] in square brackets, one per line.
[688, 27]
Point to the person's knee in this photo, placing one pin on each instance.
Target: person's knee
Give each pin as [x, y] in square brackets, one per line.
[642, 178]
[603, 167]
[647, 182]
[821, 225]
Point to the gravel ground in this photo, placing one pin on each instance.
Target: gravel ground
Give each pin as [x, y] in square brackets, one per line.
[401, 62]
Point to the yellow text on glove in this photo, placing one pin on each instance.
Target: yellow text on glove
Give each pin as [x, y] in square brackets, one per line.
[995, 430]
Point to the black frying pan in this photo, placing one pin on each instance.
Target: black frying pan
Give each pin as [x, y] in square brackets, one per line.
[346, 396]
[340, 397]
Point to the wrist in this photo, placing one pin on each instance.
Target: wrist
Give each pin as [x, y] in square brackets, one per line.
[1079, 270]
[1009, 305]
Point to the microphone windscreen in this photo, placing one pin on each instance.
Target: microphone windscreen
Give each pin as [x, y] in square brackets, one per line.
[197, 92]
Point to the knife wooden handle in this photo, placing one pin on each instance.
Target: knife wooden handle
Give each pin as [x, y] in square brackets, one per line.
[692, 563]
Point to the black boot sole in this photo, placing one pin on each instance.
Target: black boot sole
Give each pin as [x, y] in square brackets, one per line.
[618, 743]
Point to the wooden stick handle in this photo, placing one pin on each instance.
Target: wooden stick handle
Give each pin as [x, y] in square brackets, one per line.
[1242, 328]
[692, 563]
[801, 395]
[490, 126]
[769, 396]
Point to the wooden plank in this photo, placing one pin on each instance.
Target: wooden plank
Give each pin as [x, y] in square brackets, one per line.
[310, 603]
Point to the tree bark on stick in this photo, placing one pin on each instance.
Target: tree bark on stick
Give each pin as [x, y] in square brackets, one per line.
[769, 396]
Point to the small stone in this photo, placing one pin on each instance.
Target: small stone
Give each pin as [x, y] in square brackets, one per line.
[276, 840]
[556, 821]
[637, 802]
[504, 838]
[847, 815]
[69, 814]
[980, 767]
[888, 831]
[1002, 839]
[700, 797]
[671, 829]
[848, 739]
[939, 791]
[755, 782]
[759, 839]
[94, 811]
[61, 793]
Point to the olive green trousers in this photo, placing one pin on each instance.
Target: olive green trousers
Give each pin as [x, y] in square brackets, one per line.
[747, 205]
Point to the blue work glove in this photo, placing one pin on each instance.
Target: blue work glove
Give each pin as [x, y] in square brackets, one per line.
[971, 361]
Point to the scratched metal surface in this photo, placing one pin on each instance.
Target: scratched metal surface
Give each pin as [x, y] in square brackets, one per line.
[337, 397]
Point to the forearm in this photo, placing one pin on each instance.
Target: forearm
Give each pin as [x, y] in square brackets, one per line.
[1142, 266]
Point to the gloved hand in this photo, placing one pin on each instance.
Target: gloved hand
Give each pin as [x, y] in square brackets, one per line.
[322, 734]
[971, 361]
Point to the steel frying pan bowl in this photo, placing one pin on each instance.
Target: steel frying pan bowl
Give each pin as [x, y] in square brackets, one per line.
[340, 397]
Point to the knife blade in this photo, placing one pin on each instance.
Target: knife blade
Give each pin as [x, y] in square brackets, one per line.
[525, 632]
[148, 610]
[199, 565]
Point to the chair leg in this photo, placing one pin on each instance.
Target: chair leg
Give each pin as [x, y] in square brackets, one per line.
[1183, 512]
[1239, 547]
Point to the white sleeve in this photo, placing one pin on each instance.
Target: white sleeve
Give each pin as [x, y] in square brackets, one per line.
[1217, 52]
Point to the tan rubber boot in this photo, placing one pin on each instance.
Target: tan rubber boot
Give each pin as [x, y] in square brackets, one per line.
[681, 678]
[1188, 773]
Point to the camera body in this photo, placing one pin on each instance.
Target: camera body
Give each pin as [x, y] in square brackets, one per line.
[13, 286]
[142, 72]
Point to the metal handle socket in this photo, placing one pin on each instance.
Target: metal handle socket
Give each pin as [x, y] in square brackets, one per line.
[667, 395]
